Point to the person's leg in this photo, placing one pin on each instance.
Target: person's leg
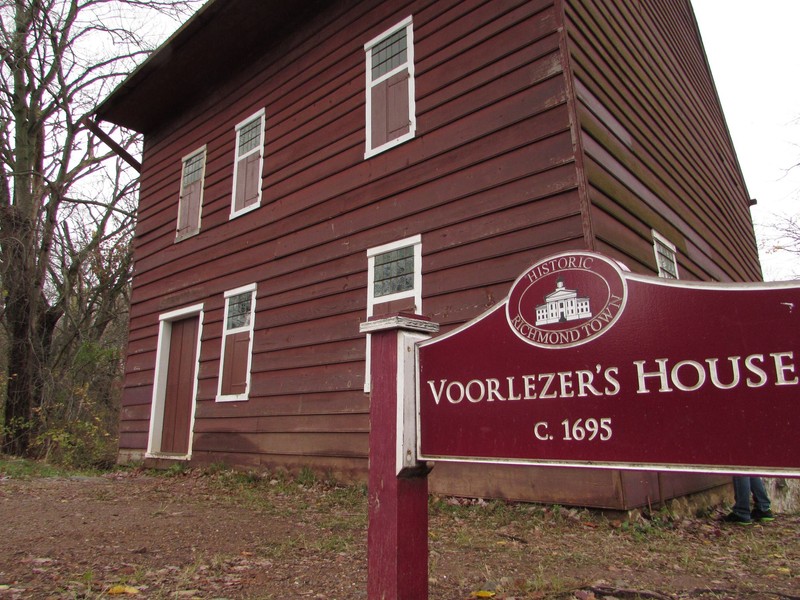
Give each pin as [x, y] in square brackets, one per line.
[762, 501]
[741, 494]
[761, 512]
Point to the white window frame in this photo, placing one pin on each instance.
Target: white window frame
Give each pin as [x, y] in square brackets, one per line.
[415, 292]
[160, 379]
[408, 24]
[250, 327]
[202, 150]
[660, 240]
[260, 114]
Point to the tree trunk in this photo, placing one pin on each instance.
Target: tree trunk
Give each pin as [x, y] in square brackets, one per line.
[27, 362]
[20, 390]
[20, 316]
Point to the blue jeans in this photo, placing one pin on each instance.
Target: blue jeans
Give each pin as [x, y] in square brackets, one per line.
[743, 488]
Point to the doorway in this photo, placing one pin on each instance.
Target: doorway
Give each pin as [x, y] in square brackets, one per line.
[175, 384]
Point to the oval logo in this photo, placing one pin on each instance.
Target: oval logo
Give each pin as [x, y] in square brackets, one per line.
[566, 300]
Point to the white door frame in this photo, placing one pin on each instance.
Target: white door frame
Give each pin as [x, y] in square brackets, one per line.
[160, 380]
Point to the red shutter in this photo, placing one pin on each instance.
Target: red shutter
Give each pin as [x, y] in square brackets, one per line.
[183, 211]
[248, 181]
[379, 105]
[189, 217]
[390, 118]
[252, 178]
[234, 366]
[398, 122]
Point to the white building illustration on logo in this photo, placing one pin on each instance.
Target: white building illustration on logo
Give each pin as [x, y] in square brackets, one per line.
[562, 305]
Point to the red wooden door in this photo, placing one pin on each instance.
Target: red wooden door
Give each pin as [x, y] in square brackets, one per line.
[180, 386]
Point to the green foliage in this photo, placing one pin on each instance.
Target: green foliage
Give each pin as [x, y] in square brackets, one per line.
[176, 469]
[15, 426]
[23, 468]
[500, 512]
[75, 420]
[352, 496]
[78, 427]
[650, 524]
[307, 477]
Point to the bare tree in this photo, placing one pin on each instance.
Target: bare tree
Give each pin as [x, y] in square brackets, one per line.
[785, 234]
[780, 235]
[65, 203]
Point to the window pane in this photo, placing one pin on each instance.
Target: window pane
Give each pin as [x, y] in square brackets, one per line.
[666, 261]
[394, 271]
[193, 169]
[250, 136]
[239, 311]
[389, 54]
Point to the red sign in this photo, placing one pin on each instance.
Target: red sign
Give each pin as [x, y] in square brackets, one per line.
[585, 364]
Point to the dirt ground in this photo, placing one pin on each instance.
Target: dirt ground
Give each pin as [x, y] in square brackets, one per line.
[222, 535]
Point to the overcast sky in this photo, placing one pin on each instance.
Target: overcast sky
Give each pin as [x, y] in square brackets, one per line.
[754, 53]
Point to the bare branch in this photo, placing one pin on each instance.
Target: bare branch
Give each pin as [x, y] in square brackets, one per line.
[66, 201]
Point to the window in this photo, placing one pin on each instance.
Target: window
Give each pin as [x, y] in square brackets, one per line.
[237, 344]
[393, 272]
[248, 165]
[390, 88]
[395, 277]
[394, 282]
[665, 256]
[191, 197]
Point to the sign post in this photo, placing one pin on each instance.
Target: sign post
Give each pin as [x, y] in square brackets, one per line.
[397, 535]
[583, 364]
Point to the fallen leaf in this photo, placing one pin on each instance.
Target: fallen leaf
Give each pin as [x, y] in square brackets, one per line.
[483, 594]
[118, 590]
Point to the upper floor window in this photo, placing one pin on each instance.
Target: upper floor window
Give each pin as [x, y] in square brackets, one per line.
[237, 344]
[191, 199]
[666, 257]
[390, 115]
[248, 164]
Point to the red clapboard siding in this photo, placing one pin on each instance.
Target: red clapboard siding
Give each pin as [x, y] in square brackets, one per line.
[346, 423]
[644, 93]
[308, 444]
[328, 403]
[513, 159]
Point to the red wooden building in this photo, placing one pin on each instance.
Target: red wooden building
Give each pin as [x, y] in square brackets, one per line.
[309, 164]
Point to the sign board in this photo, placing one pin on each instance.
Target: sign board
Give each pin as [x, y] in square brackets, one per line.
[585, 364]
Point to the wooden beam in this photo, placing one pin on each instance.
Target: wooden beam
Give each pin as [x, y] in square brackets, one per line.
[108, 141]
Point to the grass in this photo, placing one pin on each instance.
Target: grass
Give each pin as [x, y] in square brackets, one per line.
[524, 550]
[22, 468]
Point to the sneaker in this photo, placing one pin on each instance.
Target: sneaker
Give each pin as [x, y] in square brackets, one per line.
[763, 516]
[734, 518]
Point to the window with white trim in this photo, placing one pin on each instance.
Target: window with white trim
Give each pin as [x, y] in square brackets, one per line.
[248, 164]
[666, 257]
[394, 282]
[190, 203]
[237, 344]
[390, 111]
